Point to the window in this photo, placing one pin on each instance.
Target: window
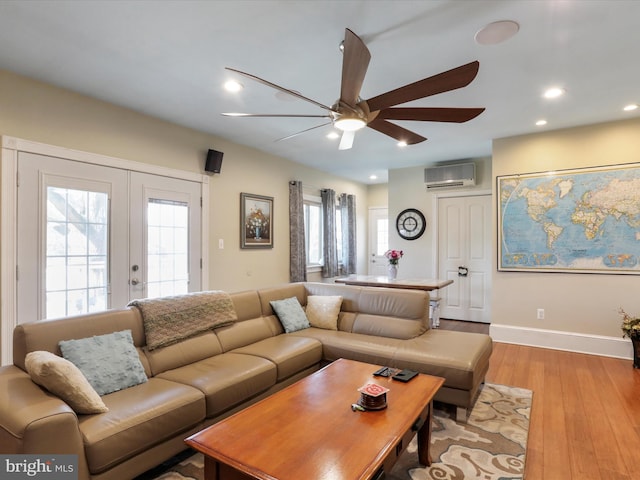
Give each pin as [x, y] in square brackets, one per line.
[382, 236]
[76, 273]
[313, 230]
[167, 247]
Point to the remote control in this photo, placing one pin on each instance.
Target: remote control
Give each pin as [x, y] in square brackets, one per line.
[405, 375]
[383, 372]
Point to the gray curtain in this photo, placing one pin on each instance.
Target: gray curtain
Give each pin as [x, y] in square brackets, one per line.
[298, 255]
[330, 267]
[348, 218]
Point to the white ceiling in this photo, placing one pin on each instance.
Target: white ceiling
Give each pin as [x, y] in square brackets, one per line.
[167, 59]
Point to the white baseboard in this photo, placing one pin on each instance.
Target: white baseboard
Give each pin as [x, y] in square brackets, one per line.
[558, 340]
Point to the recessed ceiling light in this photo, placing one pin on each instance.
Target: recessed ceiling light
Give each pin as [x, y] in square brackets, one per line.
[497, 32]
[631, 107]
[540, 123]
[554, 92]
[373, 177]
[233, 86]
[402, 143]
[333, 135]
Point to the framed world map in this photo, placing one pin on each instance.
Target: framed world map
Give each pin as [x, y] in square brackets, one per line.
[579, 221]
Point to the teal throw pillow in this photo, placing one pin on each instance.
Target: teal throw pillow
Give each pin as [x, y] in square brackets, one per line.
[290, 314]
[110, 362]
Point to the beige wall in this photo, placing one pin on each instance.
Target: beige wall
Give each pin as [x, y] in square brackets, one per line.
[407, 190]
[39, 112]
[378, 195]
[583, 303]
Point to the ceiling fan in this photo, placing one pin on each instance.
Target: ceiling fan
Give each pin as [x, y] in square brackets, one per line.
[350, 113]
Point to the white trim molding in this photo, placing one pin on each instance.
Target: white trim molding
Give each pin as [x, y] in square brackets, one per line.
[8, 250]
[558, 340]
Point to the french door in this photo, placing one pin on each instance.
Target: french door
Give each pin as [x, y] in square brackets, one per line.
[91, 237]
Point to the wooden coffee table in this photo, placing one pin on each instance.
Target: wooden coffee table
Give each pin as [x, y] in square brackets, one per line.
[309, 431]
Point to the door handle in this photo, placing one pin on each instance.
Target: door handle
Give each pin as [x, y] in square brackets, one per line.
[135, 281]
[463, 271]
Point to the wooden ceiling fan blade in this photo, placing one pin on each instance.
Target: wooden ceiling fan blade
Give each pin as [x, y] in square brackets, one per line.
[346, 142]
[292, 115]
[395, 131]
[301, 132]
[355, 61]
[454, 115]
[443, 82]
[278, 87]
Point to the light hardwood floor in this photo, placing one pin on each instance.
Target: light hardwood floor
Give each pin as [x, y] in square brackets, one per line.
[585, 418]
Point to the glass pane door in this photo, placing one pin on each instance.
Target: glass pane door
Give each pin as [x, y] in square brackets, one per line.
[76, 256]
[165, 236]
[72, 238]
[167, 247]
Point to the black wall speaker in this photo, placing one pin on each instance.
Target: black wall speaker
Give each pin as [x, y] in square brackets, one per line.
[214, 161]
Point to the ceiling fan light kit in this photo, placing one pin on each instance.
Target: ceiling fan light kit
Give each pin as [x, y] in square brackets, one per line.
[349, 124]
[350, 113]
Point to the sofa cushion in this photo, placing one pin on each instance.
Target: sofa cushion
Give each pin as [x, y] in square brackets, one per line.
[32, 336]
[226, 380]
[290, 314]
[184, 352]
[247, 332]
[462, 358]
[65, 380]
[354, 346]
[322, 311]
[392, 312]
[139, 418]
[290, 354]
[110, 362]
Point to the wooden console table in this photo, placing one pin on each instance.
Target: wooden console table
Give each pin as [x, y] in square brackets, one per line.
[426, 284]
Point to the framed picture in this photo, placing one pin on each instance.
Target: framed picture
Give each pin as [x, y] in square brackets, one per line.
[256, 221]
[584, 220]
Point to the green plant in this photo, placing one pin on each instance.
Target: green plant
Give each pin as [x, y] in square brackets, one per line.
[630, 325]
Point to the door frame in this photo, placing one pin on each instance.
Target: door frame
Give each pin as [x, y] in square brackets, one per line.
[9, 214]
[434, 231]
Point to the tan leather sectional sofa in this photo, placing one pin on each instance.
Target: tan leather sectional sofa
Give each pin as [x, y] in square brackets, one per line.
[200, 380]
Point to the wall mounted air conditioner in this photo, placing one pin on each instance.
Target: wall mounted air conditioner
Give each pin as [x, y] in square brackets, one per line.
[448, 176]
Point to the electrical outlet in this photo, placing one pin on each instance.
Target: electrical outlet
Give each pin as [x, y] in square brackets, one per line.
[541, 314]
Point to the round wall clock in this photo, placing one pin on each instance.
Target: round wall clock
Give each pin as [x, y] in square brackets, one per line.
[410, 224]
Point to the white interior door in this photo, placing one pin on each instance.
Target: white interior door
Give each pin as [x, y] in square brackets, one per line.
[378, 241]
[464, 256]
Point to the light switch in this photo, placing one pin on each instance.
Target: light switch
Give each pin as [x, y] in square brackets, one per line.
[220, 243]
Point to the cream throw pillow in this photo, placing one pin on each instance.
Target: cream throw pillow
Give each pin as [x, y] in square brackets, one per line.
[322, 311]
[65, 380]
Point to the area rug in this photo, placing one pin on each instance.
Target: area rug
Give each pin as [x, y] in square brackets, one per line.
[490, 446]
